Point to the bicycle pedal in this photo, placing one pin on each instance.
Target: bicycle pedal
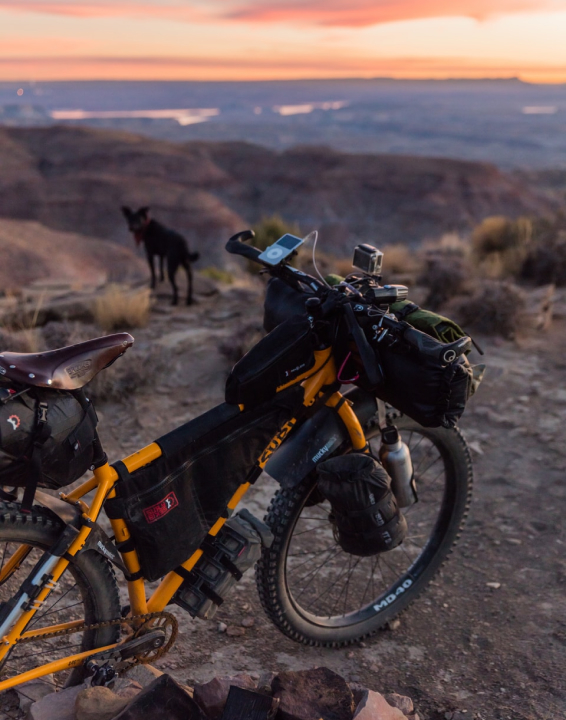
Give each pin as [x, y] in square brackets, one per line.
[100, 674]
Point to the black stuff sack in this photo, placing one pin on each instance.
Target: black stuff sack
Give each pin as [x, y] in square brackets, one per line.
[364, 510]
[277, 360]
[53, 421]
[281, 303]
[170, 505]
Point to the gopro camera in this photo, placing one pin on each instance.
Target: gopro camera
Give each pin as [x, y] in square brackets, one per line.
[280, 250]
[368, 258]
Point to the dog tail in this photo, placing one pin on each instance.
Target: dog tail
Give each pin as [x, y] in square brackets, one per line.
[193, 257]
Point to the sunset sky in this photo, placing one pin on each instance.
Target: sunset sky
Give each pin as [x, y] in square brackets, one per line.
[277, 39]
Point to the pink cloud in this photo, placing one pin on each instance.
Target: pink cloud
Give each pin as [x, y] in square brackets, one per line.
[344, 13]
[360, 13]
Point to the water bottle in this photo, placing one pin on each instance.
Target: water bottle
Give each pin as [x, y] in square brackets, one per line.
[396, 459]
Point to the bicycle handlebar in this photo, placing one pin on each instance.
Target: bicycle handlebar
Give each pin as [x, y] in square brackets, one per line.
[424, 344]
[236, 246]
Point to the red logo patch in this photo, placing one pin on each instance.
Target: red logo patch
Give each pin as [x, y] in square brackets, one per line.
[160, 509]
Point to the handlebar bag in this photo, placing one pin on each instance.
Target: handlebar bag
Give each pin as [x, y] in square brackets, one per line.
[46, 437]
[434, 395]
[170, 504]
[276, 360]
[365, 513]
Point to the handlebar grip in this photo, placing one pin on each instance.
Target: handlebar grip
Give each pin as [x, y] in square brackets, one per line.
[236, 245]
[367, 355]
[444, 353]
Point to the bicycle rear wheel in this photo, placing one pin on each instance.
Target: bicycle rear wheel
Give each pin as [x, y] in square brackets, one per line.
[316, 593]
[87, 592]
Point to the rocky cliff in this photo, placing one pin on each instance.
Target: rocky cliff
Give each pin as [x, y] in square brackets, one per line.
[75, 179]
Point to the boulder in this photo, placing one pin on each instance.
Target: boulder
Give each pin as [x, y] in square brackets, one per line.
[164, 699]
[98, 703]
[34, 690]
[402, 702]
[374, 706]
[212, 696]
[56, 706]
[313, 694]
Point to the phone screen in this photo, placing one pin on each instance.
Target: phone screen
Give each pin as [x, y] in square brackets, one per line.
[289, 242]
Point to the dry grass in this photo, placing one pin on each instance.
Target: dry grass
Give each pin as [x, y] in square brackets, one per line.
[496, 307]
[217, 274]
[140, 367]
[500, 246]
[23, 335]
[120, 309]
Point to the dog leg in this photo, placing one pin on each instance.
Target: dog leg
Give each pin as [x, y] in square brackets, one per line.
[172, 266]
[161, 273]
[189, 271]
[152, 269]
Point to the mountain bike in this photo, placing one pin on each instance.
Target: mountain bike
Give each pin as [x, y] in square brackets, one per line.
[171, 504]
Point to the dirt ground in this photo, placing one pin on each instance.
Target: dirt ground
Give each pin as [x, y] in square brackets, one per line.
[489, 637]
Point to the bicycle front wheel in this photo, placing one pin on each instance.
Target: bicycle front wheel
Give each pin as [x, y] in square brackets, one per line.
[316, 593]
[86, 593]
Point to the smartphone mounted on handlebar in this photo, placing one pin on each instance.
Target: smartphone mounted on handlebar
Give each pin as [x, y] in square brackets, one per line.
[280, 250]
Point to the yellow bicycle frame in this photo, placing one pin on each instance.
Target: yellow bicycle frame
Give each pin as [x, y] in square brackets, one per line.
[322, 374]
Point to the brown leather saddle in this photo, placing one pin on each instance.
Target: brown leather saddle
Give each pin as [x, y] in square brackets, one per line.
[68, 368]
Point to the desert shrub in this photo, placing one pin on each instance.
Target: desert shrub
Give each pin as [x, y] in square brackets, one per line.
[140, 367]
[401, 260]
[217, 274]
[445, 274]
[119, 309]
[500, 245]
[495, 308]
[545, 262]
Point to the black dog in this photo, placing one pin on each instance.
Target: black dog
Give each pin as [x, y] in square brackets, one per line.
[159, 240]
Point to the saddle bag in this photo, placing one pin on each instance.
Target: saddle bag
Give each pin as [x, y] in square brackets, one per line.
[365, 513]
[276, 360]
[170, 505]
[46, 437]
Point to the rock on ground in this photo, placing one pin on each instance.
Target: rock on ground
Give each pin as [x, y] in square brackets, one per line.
[164, 699]
[59, 705]
[212, 696]
[98, 703]
[312, 694]
[33, 691]
[374, 706]
[404, 703]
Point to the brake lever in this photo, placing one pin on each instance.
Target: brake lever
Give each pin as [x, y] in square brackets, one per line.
[369, 358]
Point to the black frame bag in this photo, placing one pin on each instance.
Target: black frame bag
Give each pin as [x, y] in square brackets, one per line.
[170, 505]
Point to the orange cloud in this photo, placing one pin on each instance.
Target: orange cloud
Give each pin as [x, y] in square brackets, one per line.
[265, 68]
[107, 8]
[344, 13]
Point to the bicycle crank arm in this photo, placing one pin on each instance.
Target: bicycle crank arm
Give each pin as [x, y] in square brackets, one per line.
[150, 641]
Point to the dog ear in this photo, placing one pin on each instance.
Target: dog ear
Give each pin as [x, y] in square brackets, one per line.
[126, 211]
[144, 210]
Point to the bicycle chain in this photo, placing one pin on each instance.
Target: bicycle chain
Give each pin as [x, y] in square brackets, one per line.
[152, 656]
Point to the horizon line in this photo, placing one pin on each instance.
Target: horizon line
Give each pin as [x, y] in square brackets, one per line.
[389, 78]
